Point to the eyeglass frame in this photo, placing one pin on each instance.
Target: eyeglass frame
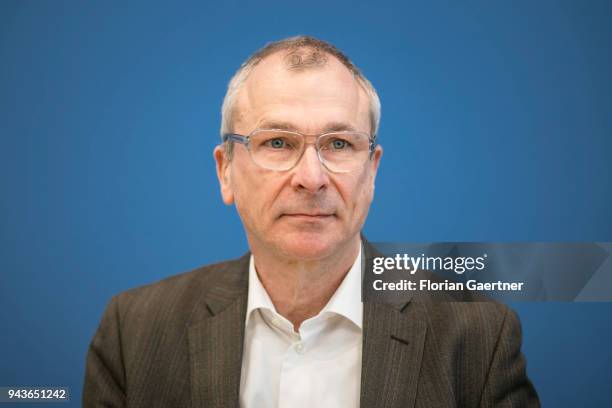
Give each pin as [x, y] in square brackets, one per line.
[245, 140]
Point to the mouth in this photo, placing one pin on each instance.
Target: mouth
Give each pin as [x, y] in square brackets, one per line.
[309, 216]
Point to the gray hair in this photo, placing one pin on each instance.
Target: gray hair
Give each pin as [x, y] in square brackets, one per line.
[304, 52]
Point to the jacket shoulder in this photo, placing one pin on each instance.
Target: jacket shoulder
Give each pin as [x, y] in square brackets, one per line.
[179, 299]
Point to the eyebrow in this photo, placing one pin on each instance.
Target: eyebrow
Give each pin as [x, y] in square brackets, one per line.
[330, 127]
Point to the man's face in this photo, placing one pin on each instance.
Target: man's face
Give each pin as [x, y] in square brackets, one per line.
[305, 213]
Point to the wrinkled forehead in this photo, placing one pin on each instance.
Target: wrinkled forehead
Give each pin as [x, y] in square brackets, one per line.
[306, 93]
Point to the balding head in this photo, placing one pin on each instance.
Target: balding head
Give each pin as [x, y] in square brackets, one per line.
[297, 54]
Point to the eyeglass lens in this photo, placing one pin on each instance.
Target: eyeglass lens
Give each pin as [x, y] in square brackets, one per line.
[280, 150]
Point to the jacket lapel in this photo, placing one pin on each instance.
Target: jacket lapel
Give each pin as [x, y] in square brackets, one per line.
[393, 341]
[215, 342]
[391, 359]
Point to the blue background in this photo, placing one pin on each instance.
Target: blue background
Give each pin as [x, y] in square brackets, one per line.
[496, 126]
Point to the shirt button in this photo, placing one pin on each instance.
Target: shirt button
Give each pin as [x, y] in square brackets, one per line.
[299, 348]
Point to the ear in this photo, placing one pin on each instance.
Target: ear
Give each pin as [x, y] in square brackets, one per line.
[224, 174]
[378, 152]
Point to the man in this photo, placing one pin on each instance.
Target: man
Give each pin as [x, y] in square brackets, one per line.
[284, 325]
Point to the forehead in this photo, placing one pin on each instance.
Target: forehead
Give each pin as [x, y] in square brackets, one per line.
[309, 100]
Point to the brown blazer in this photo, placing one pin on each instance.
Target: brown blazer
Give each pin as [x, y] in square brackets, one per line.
[178, 343]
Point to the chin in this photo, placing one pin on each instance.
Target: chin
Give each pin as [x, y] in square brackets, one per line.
[308, 246]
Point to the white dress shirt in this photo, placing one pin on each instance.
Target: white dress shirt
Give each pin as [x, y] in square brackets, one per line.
[318, 366]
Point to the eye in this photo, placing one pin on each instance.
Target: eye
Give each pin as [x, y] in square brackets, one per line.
[276, 143]
[339, 144]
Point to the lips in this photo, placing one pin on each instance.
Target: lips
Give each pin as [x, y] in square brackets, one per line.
[311, 216]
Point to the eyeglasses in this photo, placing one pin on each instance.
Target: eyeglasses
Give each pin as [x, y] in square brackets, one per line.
[281, 150]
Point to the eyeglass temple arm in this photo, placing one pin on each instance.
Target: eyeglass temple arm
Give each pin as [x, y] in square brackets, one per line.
[373, 144]
[232, 137]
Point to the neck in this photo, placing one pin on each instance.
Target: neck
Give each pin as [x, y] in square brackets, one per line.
[299, 289]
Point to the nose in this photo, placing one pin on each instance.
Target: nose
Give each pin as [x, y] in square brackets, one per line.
[309, 173]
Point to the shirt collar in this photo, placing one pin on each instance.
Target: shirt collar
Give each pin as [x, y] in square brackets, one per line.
[258, 298]
[346, 300]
